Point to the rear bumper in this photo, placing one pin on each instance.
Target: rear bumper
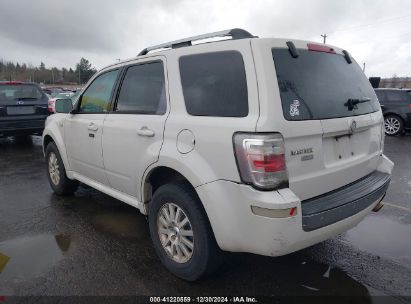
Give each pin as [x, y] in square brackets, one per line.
[238, 229]
[344, 202]
[16, 127]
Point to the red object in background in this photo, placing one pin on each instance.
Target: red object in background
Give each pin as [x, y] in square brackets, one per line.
[320, 48]
[13, 82]
[2, 298]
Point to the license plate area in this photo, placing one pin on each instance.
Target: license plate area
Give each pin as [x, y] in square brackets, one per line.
[24, 110]
[348, 147]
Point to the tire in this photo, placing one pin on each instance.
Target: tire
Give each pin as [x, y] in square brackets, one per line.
[204, 256]
[59, 181]
[393, 125]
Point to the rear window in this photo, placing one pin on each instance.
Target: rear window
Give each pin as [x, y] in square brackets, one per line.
[317, 85]
[214, 84]
[15, 92]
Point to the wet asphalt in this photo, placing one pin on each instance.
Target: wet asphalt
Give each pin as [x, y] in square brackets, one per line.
[91, 244]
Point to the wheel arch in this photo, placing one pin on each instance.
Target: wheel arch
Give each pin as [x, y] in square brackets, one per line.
[393, 114]
[158, 176]
[49, 137]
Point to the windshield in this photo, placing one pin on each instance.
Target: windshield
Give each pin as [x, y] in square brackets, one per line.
[318, 85]
[11, 92]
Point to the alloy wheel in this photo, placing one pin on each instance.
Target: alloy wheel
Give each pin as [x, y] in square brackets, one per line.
[175, 233]
[54, 170]
[392, 125]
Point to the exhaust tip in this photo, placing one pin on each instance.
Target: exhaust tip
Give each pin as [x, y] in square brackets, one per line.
[378, 207]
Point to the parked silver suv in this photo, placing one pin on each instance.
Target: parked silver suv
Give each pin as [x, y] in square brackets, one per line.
[244, 145]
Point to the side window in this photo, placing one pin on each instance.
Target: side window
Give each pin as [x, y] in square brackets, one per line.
[143, 90]
[96, 98]
[214, 84]
[396, 96]
[380, 95]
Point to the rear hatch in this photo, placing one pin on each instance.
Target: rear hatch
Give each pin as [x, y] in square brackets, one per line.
[22, 101]
[333, 120]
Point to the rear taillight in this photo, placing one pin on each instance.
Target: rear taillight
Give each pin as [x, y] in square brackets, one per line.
[261, 160]
[50, 106]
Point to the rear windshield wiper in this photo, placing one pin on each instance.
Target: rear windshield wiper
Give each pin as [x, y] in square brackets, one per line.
[352, 102]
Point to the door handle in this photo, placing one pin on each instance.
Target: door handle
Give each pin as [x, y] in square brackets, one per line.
[144, 131]
[92, 127]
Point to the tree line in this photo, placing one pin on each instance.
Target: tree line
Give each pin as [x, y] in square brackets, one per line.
[10, 71]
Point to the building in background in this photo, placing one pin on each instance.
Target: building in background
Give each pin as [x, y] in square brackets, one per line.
[396, 82]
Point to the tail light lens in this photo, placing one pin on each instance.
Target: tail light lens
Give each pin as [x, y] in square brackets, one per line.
[261, 160]
[50, 106]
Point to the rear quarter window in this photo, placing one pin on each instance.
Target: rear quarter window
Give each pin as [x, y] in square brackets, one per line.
[214, 84]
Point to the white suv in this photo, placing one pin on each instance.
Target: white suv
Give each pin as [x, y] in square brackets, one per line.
[245, 144]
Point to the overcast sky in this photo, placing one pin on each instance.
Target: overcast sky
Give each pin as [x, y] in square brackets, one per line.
[59, 33]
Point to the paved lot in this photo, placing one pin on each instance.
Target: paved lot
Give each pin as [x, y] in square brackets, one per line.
[91, 244]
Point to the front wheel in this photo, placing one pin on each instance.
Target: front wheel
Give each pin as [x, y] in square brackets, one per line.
[181, 233]
[393, 125]
[56, 172]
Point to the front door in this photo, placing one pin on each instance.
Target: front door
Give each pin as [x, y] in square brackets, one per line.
[84, 128]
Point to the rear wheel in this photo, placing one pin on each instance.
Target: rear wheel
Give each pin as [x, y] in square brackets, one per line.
[393, 125]
[56, 172]
[181, 233]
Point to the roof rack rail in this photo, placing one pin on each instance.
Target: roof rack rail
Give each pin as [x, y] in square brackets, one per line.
[235, 34]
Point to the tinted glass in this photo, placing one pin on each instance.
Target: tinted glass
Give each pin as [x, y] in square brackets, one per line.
[214, 84]
[380, 95]
[317, 85]
[10, 92]
[96, 98]
[397, 96]
[143, 90]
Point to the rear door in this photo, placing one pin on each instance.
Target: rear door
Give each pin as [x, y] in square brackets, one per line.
[133, 131]
[331, 119]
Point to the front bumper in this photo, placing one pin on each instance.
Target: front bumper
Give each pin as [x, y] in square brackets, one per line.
[238, 229]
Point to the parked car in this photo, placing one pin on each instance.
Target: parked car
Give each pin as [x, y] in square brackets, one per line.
[251, 145]
[52, 91]
[23, 109]
[396, 108]
[65, 95]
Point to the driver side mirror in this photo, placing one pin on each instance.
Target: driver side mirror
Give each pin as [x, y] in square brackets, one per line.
[64, 105]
